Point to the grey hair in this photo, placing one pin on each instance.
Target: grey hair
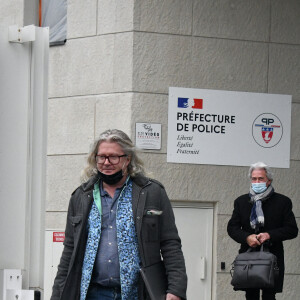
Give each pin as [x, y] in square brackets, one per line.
[135, 167]
[260, 165]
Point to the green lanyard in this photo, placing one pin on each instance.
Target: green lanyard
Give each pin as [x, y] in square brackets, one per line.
[97, 196]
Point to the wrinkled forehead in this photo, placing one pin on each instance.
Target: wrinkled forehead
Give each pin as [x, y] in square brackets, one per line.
[259, 172]
[110, 147]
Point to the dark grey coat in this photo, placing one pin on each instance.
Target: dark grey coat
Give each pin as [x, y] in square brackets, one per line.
[157, 235]
[280, 223]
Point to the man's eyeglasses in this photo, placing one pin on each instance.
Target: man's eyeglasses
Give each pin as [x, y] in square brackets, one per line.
[113, 159]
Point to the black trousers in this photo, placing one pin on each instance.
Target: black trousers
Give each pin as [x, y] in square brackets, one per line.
[253, 294]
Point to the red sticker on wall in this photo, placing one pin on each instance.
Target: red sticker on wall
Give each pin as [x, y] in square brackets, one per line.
[58, 237]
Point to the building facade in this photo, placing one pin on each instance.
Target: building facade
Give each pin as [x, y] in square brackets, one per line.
[115, 70]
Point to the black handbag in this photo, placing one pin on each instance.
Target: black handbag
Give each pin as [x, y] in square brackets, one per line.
[254, 269]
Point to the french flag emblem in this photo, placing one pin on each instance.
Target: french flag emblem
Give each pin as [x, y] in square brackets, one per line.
[193, 103]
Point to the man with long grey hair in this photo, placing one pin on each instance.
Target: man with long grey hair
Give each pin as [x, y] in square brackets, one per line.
[263, 216]
[119, 221]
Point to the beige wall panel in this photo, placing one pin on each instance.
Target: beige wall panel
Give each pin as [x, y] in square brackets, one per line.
[286, 182]
[172, 176]
[151, 108]
[168, 16]
[11, 13]
[285, 25]
[284, 70]
[227, 248]
[71, 125]
[115, 16]
[229, 65]
[164, 61]
[123, 62]
[225, 290]
[291, 288]
[82, 18]
[113, 112]
[55, 220]
[91, 65]
[292, 255]
[161, 61]
[246, 20]
[295, 134]
[221, 184]
[63, 177]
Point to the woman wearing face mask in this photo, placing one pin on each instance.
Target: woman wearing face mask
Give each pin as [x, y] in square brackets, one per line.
[263, 216]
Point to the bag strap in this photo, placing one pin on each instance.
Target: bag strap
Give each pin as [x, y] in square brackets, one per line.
[265, 247]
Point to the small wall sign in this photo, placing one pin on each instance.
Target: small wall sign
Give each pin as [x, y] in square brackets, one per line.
[148, 136]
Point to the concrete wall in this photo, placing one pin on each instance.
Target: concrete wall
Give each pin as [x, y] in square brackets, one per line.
[116, 68]
[11, 12]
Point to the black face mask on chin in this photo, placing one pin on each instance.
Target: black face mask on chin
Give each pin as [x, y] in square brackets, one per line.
[111, 179]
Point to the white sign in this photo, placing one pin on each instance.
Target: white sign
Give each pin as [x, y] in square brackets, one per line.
[228, 128]
[148, 136]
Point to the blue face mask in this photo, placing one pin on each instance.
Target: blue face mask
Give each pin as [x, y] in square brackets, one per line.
[259, 187]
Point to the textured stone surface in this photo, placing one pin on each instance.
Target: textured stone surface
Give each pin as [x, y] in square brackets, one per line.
[113, 111]
[229, 65]
[63, 177]
[91, 65]
[151, 108]
[172, 176]
[292, 255]
[115, 16]
[291, 288]
[284, 68]
[221, 184]
[11, 13]
[225, 290]
[285, 26]
[168, 16]
[286, 181]
[227, 248]
[295, 132]
[81, 17]
[161, 61]
[71, 121]
[56, 220]
[247, 20]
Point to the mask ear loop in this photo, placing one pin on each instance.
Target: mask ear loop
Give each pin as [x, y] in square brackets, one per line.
[123, 171]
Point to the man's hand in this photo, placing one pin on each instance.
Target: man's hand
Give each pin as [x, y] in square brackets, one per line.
[262, 237]
[252, 241]
[172, 297]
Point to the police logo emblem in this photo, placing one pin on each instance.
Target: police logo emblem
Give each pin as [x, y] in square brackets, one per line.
[267, 130]
[267, 133]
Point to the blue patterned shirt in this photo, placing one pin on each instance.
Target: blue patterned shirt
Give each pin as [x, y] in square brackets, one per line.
[107, 267]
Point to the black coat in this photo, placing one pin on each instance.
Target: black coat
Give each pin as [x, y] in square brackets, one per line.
[280, 223]
[157, 235]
